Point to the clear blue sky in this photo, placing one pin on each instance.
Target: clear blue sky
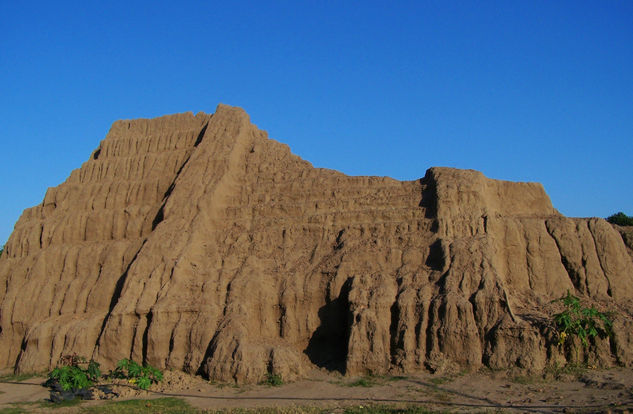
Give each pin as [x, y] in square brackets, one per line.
[520, 90]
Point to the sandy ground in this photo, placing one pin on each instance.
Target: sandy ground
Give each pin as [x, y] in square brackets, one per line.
[607, 391]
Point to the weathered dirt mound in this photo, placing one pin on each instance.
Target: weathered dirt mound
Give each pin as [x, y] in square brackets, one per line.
[196, 243]
[627, 236]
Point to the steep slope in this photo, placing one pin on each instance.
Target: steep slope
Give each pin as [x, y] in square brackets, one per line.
[64, 263]
[196, 243]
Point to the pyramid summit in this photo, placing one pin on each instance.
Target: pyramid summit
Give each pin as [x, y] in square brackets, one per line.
[196, 243]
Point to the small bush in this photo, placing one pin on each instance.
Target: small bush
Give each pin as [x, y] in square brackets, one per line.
[274, 380]
[70, 376]
[580, 321]
[70, 380]
[620, 219]
[141, 376]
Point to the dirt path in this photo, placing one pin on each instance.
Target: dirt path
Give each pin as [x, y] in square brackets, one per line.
[588, 391]
[29, 390]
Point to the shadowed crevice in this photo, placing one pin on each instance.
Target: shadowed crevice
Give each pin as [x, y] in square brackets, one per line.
[396, 336]
[429, 195]
[201, 134]
[328, 346]
[22, 349]
[436, 259]
[208, 356]
[428, 200]
[149, 318]
[116, 295]
[160, 216]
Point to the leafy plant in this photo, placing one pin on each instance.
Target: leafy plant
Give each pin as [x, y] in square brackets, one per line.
[620, 219]
[274, 380]
[93, 371]
[583, 322]
[71, 376]
[74, 377]
[142, 376]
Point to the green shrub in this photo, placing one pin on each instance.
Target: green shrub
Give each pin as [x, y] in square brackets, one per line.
[71, 376]
[274, 380]
[142, 376]
[620, 219]
[580, 321]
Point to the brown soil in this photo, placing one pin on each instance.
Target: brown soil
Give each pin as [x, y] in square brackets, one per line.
[581, 391]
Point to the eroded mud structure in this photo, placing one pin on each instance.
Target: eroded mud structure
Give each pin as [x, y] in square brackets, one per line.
[197, 243]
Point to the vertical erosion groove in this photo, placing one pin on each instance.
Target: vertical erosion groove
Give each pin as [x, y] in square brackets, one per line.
[22, 349]
[396, 335]
[395, 340]
[118, 289]
[601, 259]
[148, 317]
[436, 258]
[208, 355]
[428, 199]
[432, 318]
[328, 345]
[573, 275]
[160, 216]
[201, 134]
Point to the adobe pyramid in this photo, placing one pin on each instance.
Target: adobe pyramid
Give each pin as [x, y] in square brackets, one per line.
[197, 243]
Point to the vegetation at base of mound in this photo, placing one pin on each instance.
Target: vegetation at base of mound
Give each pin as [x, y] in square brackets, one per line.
[581, 321]
[620, 219]
[273, 380]
[141, 376]
[76, 378]
[72, 376]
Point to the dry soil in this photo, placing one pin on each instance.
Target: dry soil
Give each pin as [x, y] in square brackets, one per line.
[484, 391]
